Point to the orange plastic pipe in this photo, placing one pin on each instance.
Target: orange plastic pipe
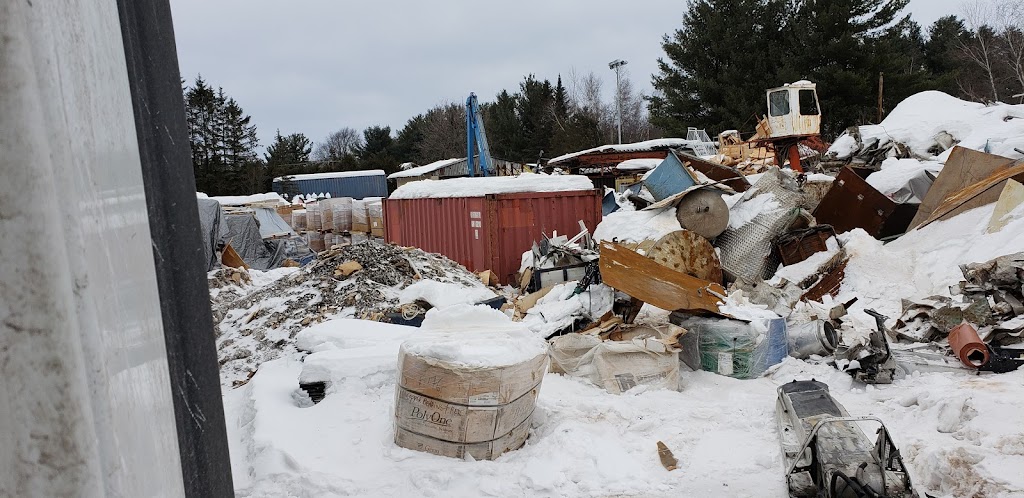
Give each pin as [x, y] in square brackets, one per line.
[967, 346]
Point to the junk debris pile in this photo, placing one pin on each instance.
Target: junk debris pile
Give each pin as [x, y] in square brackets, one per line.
[896, 254]
[362, 280]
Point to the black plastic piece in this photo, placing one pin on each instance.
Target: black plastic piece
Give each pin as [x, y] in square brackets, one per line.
[170, 188]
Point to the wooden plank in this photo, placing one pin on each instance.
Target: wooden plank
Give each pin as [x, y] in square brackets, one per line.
[963, 168]
[648, 281]
[229, 257]
[975, 195]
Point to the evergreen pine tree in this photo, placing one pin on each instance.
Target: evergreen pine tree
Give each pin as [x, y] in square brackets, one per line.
[287, 155]
[377, 151]
[534, 106]
[504, 134]
[945, 36]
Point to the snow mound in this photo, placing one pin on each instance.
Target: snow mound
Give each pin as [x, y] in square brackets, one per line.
[348, 333]
[638, 164]
[481, 186]
[444, 294]
[474, 336]
[920, 120]
[637, 226]
[241, 200]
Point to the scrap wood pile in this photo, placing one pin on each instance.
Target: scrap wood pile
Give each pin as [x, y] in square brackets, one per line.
[781, 261]
[364, 280]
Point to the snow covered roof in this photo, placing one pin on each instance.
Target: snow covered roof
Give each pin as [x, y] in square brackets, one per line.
[241, 200]
[425, 169]
[334, 174]
[481, 186]
[657, 144]
[639, 164]
[405, 166]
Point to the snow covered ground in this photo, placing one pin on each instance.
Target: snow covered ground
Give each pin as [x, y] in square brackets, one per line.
[961, 435]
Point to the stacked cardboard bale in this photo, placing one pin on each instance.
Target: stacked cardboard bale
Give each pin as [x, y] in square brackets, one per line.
[468, 384]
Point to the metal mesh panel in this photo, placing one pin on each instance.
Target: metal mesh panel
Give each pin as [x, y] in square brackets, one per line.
[747, 251]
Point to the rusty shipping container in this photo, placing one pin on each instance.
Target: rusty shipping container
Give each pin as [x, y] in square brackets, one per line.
[490, 232]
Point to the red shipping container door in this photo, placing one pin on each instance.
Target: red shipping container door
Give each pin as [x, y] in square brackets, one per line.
[491, 232]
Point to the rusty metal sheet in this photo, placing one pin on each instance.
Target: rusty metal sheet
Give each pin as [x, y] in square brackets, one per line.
[650, 282]
[853, 203]
[685, 252]
[794, 247]
[829, 284]
[963, 168]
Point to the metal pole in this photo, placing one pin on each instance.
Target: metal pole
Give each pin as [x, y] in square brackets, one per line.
[616, 65]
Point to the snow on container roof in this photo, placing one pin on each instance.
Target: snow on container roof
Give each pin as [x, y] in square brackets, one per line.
[425, 169]
[241, 200]
[481, 186]
[657, 144]
[334, 174]
[639, 164]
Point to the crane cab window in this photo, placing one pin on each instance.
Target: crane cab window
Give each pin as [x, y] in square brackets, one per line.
[778, 103]
[808, 103]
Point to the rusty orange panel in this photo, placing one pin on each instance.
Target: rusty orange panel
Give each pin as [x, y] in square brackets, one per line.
[492, 232]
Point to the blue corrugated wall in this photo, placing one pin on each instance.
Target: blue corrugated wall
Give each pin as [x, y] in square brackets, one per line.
[356, 187]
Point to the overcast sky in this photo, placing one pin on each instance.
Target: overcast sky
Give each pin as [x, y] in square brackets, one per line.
[314, 66]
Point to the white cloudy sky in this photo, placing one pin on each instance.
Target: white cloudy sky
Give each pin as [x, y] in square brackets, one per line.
[314, 66]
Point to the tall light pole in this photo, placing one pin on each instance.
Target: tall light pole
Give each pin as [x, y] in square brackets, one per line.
[616, 64]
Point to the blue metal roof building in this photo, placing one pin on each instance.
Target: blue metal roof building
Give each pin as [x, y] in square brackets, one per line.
[354, 184]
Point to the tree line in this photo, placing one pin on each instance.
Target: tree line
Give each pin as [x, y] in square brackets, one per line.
[718, 65]
[539, 120]
[714, 73]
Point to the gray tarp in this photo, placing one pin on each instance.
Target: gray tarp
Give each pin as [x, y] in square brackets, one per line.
[272, 225]
[214, 230]
[246, 230]
[244, 235]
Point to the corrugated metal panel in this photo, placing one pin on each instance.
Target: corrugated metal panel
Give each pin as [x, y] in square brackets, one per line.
[356, 187]
[489, 233]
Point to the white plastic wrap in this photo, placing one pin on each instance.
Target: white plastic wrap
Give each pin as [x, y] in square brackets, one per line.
[86, 408]
[341, 208]
[299, 220]
[314, 219]
[360, 218]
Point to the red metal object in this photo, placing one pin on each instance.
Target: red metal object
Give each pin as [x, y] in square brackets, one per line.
[492, 232]
[967, 346]
[797, 246]
[853, 203]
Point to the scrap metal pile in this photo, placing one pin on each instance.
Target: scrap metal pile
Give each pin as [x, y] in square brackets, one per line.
[776, 263]
[362, 280]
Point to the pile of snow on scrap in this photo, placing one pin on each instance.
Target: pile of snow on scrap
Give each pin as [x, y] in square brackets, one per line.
[362, 280]
[929, 124]
[481, 186]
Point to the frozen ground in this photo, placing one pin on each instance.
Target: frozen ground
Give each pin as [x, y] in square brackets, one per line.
[961, 435]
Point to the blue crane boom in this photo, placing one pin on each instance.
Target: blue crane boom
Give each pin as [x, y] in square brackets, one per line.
[475, 134]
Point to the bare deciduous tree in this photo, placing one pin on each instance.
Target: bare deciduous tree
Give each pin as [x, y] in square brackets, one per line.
[1010, 15]
[444, 133]
[981, 48]
[337, 145]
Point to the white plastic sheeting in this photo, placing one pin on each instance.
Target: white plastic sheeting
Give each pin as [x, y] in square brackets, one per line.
[85, 402]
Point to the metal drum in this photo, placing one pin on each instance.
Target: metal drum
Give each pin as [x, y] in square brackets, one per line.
[817, 337]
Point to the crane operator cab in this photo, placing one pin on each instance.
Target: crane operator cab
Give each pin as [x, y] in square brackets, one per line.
[793, 110]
